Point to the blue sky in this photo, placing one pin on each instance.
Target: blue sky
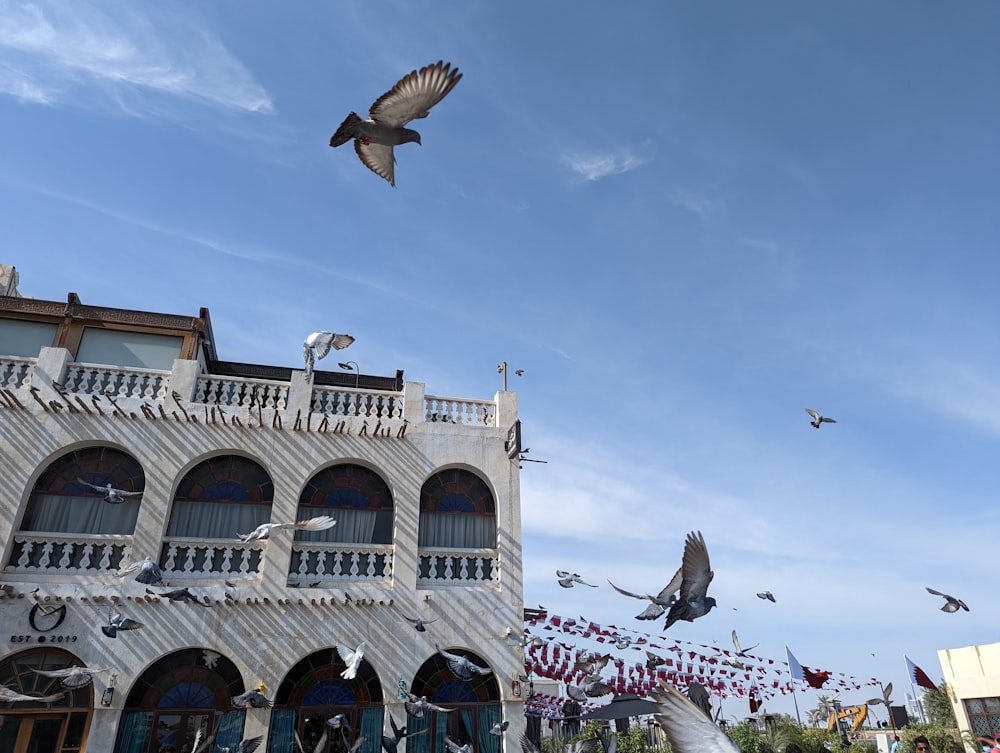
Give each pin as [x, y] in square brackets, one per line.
[686, 222]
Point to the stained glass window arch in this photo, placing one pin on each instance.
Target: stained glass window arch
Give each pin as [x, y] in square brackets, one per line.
[457, 510]
[357, 496]
[221, 497]
[435, 680]
[63, 500]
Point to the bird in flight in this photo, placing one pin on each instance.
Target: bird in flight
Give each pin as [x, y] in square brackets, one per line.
[111, 495]
[416, 706]
[418, 624]
[149, 572]
[740, 651]
[817, 419]
[767, 596]
[9, 695]
[461, 666]
[412, 97]
[688, 729]
[658, 603]
[71, 677]
[567, 579]
[696, 576]
[254, 698]
[263, 531]
[351, 659]
[391, 744]
[178, 594]
[951, 604]
[319, 344]
[116, 622]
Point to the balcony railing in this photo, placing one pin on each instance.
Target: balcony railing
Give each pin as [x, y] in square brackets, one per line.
[336, 563]
[117, 381]
[340, 401]
[454, 410]
[457, 567]
[236, 391]
[201, 558]
[59, 553]
[15, 372]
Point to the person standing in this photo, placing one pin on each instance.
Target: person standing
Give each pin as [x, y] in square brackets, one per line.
[922, 744]
[894, 748]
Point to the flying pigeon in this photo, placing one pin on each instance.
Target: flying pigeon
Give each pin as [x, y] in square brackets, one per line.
[697, 575]
[71, 677]
[951, 604]
[263, 531]
[418, 624]
[461, 666]
[817, 419]
[179, 594]
[732, 661]
[454, 747]
[767, 596]
[416, 706]
[412, 97]
[658, 603]
[391, 744]
[321, 343]
[654, 660]
[339, 721]
[566, 579]
[699, 697]
[740, 651]
[499, 728]
[254, 698]
[686, 727]
[111, 495]
[591, 689]
[246, 746]
[9, 695]
[149, 572]
[592, 664]
[116, 622]
[352, 659]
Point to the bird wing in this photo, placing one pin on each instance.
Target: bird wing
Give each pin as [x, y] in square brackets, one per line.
[527, 746]
[813, 413]
[827, 420]
[128, 624]
[576, 693]
[697, 570]
[346, 655]
[686, 727]
[353, 749]
[95, 487]
[936, 593]
[438, 708]
[319, 523]
[250, 745]
[623, 592]
[666, 596]
[452, 745]
[597, 689]
[651, 612]
[415, 94]
[378, 158]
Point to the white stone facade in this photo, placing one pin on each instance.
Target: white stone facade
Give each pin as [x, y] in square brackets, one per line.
[273, 615]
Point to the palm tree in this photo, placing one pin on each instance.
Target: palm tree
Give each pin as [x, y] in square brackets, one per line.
[820, 715]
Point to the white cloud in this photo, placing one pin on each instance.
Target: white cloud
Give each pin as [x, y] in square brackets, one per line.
[596, 165]
[50, 53]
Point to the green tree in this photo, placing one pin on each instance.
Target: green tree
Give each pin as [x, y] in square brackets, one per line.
[937, 704]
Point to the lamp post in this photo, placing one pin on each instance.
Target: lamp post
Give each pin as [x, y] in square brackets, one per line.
[502, 369]
[352, 366]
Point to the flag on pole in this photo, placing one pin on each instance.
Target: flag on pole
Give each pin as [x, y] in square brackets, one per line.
[794, 667]
[918, 675]
[755, 702]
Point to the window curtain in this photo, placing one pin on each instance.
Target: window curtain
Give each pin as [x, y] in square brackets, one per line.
[353, 526]
[281, 731]
[215, 520]
[133, 732]
[230, 729]
[467, 725]
[457, 530]
[371, 728]
[417, 743]
[440, 730]
[488, 716]
[58, 513]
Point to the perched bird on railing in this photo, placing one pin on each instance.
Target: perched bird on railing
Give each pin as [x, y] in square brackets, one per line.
[411, 97]
[321, 343]
[254, 698]
[116, 622]
[461, 666]
[149, 572]
[817, 419]
[263, 531]
[567, 579]
[352, 659]
[71, 677]
[111, 495]
[951, 604]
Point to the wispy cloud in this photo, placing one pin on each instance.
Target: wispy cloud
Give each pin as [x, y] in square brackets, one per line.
[591, 166]
[700, 203]
[53, 53]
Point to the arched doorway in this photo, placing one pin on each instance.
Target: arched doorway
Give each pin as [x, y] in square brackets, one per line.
[313, 691]
[58, 727]
[178, 695]
[475, 703]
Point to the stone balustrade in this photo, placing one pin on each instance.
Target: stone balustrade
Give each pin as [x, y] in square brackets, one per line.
[15, 372]
[240, 392]
[58, 554]
[341, 401]
[462, 411]
[117, 381]
[457, 567]
[338, 563]
[208, 558]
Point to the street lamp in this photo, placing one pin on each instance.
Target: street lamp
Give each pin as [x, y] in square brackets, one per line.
[347, 366]
[502, 369]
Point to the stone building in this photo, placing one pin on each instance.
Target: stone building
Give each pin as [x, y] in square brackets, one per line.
[972, 674]
[423, 489]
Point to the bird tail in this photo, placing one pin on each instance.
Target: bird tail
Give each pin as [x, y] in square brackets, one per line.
[346, 132]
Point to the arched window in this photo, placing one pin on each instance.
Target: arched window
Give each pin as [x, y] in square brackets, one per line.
[220, 498]
[457, 511]
[178, 695]
[58, 726]
[475, 703]
[63, 501]
[313, 691]
[359, 500]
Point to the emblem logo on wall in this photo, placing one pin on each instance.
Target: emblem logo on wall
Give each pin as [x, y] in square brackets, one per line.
[44, 618]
